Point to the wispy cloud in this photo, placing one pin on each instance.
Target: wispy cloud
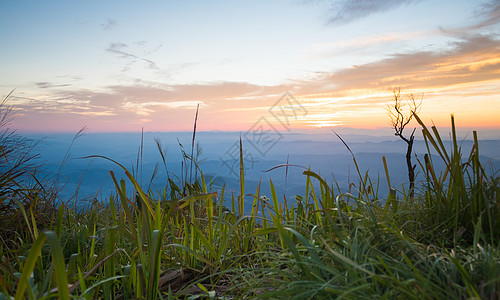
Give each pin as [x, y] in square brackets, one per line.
[347, 11]
[109, 24]
[47, 85]
[488, 14]
[471, 59]
[120, 98]
[121, 49]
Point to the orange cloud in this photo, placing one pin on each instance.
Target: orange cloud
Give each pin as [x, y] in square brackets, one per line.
[463, 80]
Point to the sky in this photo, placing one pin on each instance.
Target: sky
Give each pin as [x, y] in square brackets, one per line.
[287, 65]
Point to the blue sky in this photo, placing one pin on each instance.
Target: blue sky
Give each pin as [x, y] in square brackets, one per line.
[123, 65]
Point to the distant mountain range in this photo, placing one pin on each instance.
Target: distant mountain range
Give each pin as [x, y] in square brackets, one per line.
[219, 160]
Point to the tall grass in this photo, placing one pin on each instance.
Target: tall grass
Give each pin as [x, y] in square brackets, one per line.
[462, 197]
[179, 239]
[22, 190]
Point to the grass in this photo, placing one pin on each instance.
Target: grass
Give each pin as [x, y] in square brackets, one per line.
[180, 241]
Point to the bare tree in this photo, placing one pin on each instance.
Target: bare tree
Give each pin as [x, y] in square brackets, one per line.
[400, 118]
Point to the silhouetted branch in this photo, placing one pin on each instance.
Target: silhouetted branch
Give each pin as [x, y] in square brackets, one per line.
[399, 120]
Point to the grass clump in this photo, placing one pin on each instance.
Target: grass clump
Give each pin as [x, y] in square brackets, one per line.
[23, 192]
[180, 241]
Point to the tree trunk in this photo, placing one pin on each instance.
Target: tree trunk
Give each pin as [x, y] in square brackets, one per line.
[411, 168]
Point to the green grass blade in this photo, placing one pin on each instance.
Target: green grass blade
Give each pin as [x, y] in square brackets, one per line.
[29, 265]
[241, 198]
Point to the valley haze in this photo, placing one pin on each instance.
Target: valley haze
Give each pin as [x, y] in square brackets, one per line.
[219, 159]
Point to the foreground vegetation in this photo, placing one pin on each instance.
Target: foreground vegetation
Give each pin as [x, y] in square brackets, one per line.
[180, 241]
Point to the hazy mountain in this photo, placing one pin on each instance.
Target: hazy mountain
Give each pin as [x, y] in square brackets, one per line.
[219, 160]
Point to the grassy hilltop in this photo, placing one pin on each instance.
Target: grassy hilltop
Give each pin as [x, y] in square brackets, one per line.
[179, 240]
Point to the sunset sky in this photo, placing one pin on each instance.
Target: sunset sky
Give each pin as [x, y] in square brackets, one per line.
[124, 65]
